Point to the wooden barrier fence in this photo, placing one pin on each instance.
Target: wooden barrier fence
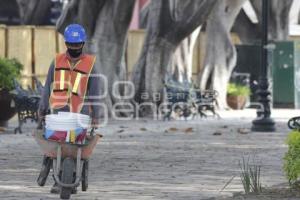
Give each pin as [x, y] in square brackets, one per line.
[36, 46]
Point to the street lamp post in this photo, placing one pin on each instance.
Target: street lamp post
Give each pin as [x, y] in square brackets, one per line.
[264, 122]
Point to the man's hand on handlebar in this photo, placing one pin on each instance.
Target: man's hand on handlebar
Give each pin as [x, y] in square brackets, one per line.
[41, 120]
[95, 123]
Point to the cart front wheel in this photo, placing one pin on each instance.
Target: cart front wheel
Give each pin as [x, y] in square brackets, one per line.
[47, 162]
[68, 167]
[85, 173]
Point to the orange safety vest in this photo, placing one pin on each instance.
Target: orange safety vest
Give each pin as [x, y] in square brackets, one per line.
[70, 85]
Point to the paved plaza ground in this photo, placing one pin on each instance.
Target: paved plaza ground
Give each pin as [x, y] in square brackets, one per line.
[151, 160]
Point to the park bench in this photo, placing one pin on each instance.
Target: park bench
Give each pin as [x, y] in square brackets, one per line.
[178, 97]
[206, 101]
[185, 100]
[26, 103]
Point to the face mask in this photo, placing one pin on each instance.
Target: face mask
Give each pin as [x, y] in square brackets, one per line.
[75, 52]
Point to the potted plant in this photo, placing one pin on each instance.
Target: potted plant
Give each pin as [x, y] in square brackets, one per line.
[10, 69]
[237, 95]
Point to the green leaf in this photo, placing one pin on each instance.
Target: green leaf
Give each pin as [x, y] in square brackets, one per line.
[238, 90]
[10, 69]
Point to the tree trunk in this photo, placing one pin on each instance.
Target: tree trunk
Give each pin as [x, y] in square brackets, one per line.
[169, 22]
[182, 61]
[294, 12]
[220, 59]
[111, 35]
[278, 22]
[278, 18]
[34, 12]
[220, 53]
[106, 23]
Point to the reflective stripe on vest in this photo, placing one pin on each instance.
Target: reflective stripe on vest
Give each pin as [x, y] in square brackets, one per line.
[62, 80]
[70, 85]
[76, 83]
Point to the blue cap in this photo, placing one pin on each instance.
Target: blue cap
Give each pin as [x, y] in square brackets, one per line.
[74, 33]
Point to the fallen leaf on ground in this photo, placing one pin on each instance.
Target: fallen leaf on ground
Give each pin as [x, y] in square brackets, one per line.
[120, 131]
[217, 133]
[173, 129]
[189, 130]
[143, 129]
[243, 131]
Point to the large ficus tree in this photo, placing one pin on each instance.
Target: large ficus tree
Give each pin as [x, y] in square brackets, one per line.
[279, 23]
[158, 58]
[220, 56]
[106, 23]
[171, 30]
[169, 23]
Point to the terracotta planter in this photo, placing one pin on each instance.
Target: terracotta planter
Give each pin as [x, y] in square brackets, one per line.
[6, 111]
[236, 102]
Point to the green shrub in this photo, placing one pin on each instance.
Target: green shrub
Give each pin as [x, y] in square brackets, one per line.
[238, 90]
[10, 69]
[292, 157]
